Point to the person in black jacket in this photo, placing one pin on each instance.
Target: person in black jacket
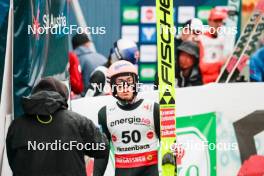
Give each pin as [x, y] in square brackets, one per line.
[187, 70]
[50, 140]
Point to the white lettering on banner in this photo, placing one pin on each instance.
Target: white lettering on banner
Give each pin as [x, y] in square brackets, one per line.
[131, 160]
[168, 133]
[136, 160]
[168, 118]
[54, 21]
[149, 32]
[167, 113]
[168, 127]
[51, 23]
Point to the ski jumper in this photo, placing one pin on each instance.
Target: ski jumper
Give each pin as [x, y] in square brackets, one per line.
[134, 130]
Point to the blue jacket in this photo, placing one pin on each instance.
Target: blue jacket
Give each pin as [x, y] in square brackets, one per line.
[257, 66]
[89, 61]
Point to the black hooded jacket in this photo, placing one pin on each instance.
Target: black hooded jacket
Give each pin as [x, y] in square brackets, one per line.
[43, 142]
[194, 76]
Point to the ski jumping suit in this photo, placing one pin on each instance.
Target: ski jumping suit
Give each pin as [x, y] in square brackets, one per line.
[134, 130]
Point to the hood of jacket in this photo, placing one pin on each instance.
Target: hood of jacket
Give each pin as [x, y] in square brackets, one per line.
[43, 103]
[47, 97]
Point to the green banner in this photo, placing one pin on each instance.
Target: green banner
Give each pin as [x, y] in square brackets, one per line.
[196, 140]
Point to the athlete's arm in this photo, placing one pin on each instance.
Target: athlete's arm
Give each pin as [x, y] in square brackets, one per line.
[101, 164]
[156, 116]
[91, 134]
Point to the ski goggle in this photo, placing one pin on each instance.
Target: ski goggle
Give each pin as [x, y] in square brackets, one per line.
[122, 82]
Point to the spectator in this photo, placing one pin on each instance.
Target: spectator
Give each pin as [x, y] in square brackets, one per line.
[89, 60]
[47, 123]
[212, 55]
[216, 21]
[187, 70]
[256, 66]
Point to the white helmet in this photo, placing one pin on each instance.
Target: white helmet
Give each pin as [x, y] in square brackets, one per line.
[122, 68]
[124, 49]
